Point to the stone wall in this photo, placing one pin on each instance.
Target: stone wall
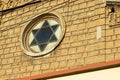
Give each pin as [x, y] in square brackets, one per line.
[7, 4]
[80, 46]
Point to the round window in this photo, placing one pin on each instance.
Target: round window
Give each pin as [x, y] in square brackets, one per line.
[42, 34]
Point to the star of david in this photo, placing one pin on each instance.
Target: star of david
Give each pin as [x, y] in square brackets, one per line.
[44, 35]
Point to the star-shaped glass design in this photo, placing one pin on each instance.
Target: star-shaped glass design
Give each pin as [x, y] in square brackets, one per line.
[44, 35]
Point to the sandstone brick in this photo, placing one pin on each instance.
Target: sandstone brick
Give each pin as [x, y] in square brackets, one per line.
[117, 56]
[93, 53]
[61, 58]
[8, 55]
[108, 51]
[90, 47]
[45, 66]
[116, 43]
[63, 64]
[117, 31]
[110, 57]
[83, 5]
[64, 51]
[23, 69]
[11, 60]
[109, 32]
[67, 45]
[30, 68]
[7, 66]
[72, 50]
[91, 3]
[54, 65]
[17, 59]
[79, 62]
[81, 49]
[9, 71]
[36, 73]
[71, 63]
[13, 49]
[4, 61]
[2, 72]
[37, 67]
[109, 44]
[95, 59]
[73, 38]
[7, 50]
[100, 45]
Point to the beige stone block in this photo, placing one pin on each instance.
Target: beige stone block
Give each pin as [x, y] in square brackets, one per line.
[18, 20]
[100, 45]
[66, 40]
[79, 62]
[63, 64]
[11, 60]
[23, 69]
[71, 63]
[45, 66]
[17, 59]
[81, 37]
[20, 11]
[73, 27]
[108, 38]
[117, 31]
[8, 40]
[117, 56]
[7, 66]
[101, 10]
[52, 3]
[114, 37]
[109, 32]
[7, 50]
[25, 63]
[83, 5]
[64, 51]
[73, 38]
[108, 51]
[65, 45]
[2, 72]
[117, 43]
[90, 47]
[81, 26]
[9, 71]
[80, 49]
[75, 33]
[76, 44]
[16, 70]
[54, 65]
[93, 53]
[62, 58]
[13, 49]
[4, 61]
[4, 33]
[95, 59]
[60, 1]
[91, 3]
[75, 7]
[29, 68]
[8, 15]
[109, 44]
[110, 57]
[1, 51]
[72, 50]
[9, 55]
[37, 67]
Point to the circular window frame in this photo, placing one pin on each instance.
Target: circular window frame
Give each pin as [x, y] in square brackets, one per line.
[31, 24]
